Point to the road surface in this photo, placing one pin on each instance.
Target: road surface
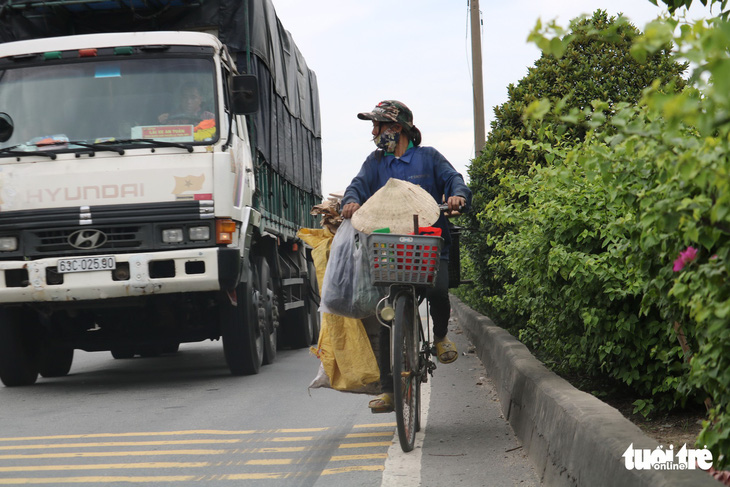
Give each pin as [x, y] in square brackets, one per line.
[182, 419]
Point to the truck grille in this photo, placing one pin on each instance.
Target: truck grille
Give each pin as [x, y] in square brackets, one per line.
[116, 228]
[117, 239]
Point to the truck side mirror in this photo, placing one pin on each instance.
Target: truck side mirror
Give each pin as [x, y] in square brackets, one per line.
[244, 94]
[6, 127]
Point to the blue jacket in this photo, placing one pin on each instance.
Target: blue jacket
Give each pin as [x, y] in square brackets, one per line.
[424, 166]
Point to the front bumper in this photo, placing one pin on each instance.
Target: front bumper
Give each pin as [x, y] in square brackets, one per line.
[189, 270]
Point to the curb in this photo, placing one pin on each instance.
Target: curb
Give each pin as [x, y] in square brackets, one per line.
[571, 437]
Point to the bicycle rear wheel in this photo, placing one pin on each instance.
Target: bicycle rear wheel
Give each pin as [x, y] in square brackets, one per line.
[406, 379]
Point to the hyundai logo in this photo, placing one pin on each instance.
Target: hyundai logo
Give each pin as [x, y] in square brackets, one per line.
[87, 239]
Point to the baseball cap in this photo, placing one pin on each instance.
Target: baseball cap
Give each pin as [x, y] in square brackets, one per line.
[394, 111]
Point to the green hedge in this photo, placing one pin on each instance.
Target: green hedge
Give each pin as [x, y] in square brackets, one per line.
[595, 63]
[613, 247]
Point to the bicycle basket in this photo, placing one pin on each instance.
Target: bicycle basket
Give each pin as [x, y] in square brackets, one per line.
[404, 259]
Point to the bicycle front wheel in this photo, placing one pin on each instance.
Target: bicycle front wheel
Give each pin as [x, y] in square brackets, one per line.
[405, 370]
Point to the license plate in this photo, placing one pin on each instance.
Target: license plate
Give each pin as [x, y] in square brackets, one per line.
[86, 264]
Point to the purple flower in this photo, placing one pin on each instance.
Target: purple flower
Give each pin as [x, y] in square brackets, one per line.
[684, 258]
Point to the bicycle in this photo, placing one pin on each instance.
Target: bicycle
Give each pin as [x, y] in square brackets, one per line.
[408, 265]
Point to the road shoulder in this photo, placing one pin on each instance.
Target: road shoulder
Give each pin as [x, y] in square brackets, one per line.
[468, 441]
[571, 437]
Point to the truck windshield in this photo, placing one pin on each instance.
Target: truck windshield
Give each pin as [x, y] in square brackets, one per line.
[101, 101]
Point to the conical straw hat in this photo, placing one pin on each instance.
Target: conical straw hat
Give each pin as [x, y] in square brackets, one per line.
[394, 205]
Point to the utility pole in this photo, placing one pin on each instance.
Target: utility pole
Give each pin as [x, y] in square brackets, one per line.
[476, 62]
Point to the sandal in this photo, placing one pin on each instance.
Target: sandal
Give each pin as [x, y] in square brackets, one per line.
[382, 404]
[446, 351]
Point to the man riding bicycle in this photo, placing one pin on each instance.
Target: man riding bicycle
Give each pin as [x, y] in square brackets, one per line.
[399, 155]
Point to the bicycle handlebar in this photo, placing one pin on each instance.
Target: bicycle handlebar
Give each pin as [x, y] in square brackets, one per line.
[444, 207]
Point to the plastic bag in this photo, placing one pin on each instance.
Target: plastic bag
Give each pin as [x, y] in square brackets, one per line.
[347, 289]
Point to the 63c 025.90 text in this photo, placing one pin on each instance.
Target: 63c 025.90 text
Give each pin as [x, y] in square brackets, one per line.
[86, 264]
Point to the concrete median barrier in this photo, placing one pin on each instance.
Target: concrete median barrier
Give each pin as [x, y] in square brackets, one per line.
[573, 438]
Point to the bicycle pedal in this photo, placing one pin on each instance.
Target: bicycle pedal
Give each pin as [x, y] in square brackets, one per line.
[381, 410]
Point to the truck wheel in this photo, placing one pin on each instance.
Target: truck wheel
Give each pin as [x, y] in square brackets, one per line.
[55, 360]
[18, 350]
[149, 350]
[243, 342]
[268, 310]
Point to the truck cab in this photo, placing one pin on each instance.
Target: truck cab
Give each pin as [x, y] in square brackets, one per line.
[129, 214]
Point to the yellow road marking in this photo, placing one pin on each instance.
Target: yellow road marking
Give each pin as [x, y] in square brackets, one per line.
[370, 456]
[254, 476]
[369, 435]
[105, 479]
[336, 458]
[102, 466]
[198, 441]
[282, 449]
[360, 468]
[297, 430]
[271, 461]
[181, 478]
[147, 453]
[115, 443]
[365, 445]
[113, 454]
[166, 433]
[375, 425]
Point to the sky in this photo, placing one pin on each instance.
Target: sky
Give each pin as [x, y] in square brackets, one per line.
[419, 52]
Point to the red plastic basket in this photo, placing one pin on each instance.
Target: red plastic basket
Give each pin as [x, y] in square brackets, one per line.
[404, 259]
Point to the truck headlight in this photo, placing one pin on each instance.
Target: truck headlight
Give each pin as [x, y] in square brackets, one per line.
[172, 235]
[8, 244]
[199, 233]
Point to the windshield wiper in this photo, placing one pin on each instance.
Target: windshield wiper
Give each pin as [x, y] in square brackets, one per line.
[154, 143]
[111, 145]
[99, 146]
[22, 153]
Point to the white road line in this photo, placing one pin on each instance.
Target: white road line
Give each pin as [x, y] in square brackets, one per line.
[404, 469]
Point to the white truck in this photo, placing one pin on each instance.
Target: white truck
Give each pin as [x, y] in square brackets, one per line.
[150, 194]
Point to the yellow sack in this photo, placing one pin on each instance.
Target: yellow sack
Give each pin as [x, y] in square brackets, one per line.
[344, 348]
[320, 240]
[346, 354]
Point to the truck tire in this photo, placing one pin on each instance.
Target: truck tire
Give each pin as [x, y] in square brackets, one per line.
[55, 360]
[18, 350]
[243, 342]
[149, 350]
[268, 310]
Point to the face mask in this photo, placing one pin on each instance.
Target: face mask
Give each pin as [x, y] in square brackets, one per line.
[387, 140]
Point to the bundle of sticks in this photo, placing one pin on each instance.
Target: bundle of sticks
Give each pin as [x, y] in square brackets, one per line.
[330, 211]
